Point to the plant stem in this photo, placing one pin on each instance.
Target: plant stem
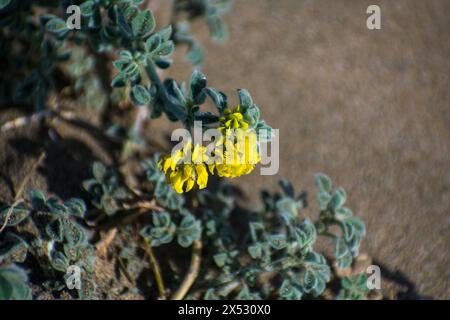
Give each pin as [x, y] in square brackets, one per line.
[176, 109]
[192, 273]
[156, 270]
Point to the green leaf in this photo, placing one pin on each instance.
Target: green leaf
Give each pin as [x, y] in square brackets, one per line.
[218, 28]
[55, 230]
[289, 292]
[165, 33]
[255, 251]
[323, 198]
[140, 95]
[197, 83]
[14, 284]
[345, 261]
[165, 49]
[119, 81]
[287, 206]
[338, 199]
[123, 24]
[219, 98]
[277, 241]
[3, 5]
[287, 187]
[76, 207]
[99, 171]
[38, 199]
[87, 8]
[348, 229]
[143, 23]
[358, 225]
[74, 233]
[13, 248]
[56, 25]
[220, 259]
[343, 213]
[323, 182]
[153, 43]
[15, 215]
[341, 248]
[59, 261]
[245, 99]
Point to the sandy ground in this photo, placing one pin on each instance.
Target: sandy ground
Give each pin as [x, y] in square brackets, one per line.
[369, 108]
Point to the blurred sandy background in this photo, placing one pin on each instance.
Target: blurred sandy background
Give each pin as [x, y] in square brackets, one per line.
[369, 108]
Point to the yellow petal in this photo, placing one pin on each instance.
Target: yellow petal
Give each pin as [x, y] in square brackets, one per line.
[190, 184]
[202, 176]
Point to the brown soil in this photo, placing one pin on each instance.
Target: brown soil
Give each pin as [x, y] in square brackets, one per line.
[368, 108]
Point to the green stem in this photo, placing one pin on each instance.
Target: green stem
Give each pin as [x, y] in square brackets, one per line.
[176, 109]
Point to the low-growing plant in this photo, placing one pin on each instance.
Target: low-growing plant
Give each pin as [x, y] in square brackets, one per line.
[46, 234]
[114, 63]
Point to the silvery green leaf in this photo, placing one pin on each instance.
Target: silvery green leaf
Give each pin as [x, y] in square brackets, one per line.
[5, 3]
[123, 24]
[343, 213]
[13, 249]
[56, 25]
[74, 233]
[76, 207]
[338, 199]
[289, 292]
[143, 23]
[358, 225]
[119, 81]
[324, 199]
[59, 261]
[55, 230]
[264, 131]
[323, 182]
[153, 43]
[288, 206]
[14, 284]
[341, 248]
[197, 83]
[245, 99]
[218, 28]
[348, 229]
[165, 49]
[37, 199]
[15, 215]
[165, 33]
[219, 99]
[87, 8]
[220, 259]
[345, 261]
[287, 187]
[140, 95]
[99, 171]
[277, 241]
[255, 251]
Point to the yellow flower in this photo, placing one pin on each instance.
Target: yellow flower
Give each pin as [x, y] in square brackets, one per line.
[232, 120]
[240, 153]
[186, 167]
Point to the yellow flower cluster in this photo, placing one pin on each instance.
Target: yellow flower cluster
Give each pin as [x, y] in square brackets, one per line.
[234, 155]
[186, 167]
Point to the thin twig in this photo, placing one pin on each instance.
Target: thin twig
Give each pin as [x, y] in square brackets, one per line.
[192, 273]
[102, 245]
[125, 271]
[156, 270]
[18, 194]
